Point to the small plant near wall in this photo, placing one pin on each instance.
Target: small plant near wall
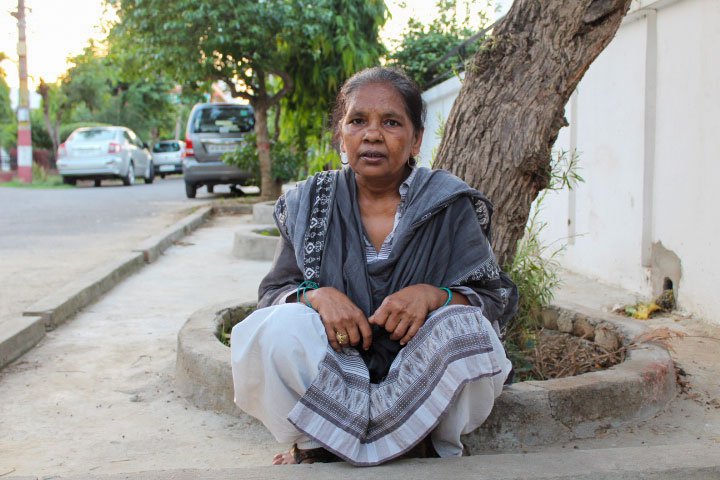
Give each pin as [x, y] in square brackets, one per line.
[534, 269]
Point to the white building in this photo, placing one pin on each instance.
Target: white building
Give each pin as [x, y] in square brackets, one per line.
[645, 121]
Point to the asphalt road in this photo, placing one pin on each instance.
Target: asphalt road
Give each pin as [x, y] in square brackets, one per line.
[50, 236]
[38, 215]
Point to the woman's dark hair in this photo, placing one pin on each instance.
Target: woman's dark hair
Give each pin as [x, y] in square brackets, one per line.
[405, 86]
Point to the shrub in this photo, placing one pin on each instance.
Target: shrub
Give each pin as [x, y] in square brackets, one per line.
[285, 161]
[534, 268]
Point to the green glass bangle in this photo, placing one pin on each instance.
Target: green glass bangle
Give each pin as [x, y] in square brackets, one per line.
[305, 299]
[303, 287]
[449, 299]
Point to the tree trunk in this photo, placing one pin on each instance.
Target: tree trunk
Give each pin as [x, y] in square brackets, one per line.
[276, 115]
[269, 188]
[501, 129]
[53, 128]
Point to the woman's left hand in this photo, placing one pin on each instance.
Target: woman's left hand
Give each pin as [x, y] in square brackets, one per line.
[404, 312]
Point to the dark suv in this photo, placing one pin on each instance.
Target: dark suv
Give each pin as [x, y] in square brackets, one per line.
[212, 130]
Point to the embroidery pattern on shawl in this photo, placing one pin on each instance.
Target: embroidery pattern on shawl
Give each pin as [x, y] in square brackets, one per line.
[315, 233]
[486, 271]
[281, 214]
[483, 214]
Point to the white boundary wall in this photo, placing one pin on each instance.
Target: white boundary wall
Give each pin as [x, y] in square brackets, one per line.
[645, 121]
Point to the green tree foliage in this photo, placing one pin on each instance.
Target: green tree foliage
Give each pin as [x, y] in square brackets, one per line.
[424, 46]
[264, 51]
[334, 50]
[90, 79]
[97, 89]
[7, 118]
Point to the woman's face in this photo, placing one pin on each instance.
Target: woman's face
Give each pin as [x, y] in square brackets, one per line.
[377, 133]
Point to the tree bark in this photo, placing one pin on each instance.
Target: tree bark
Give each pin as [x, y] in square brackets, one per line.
[269, 188]
[262, 101]
[53, 128]
[501, 129]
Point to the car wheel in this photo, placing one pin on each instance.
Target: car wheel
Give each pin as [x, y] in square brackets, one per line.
[69, 181]
[162, 175]
[210, 188]
[97, 182]
[235, 190]
[190, 190]
[129, 179]
[150, 174]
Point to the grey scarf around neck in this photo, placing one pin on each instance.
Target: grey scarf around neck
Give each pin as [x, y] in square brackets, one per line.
[441, 240]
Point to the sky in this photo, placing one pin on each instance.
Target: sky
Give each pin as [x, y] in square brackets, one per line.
[58, 29]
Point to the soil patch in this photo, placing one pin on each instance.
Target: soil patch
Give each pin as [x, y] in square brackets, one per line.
[557, 355]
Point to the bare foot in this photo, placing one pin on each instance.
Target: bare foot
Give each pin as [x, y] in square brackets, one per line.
[284, 458]
[296, 455]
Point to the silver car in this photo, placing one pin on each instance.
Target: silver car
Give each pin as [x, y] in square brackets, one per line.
[214, 129]
[168, 156]
[97, 153]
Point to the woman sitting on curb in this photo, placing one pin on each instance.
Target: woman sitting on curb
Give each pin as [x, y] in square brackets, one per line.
[376, 334]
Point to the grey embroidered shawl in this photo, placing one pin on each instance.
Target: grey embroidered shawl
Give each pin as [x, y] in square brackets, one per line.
[442, 239]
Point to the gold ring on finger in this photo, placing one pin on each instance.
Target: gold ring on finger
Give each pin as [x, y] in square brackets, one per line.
[342, 338]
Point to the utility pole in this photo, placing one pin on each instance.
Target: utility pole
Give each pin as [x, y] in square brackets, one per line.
[24, 143]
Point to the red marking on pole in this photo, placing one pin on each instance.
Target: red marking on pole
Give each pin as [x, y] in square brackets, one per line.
[264, 146]
[24, 138]
[25, 174]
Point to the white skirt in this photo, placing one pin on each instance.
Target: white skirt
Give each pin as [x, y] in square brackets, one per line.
[443, 382]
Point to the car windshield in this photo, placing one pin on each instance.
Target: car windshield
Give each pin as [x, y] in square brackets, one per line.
[225, 119]
[165, 147]
[92, 135]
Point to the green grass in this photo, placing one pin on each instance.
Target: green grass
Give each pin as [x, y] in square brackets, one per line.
[49, 181]
[268, 232]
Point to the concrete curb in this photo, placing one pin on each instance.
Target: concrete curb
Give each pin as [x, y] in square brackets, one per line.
[154, 246]
[529, 413]
[250, 245]
[263, 213]
[202, 370]
[19, 336]
[536, 413]
[226, 208]
[666, 462]
[56, 308]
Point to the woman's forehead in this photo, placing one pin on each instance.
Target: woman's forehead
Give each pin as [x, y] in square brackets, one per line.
[376, 95]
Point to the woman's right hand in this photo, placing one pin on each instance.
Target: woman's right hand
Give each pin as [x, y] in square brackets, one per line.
[340, 315]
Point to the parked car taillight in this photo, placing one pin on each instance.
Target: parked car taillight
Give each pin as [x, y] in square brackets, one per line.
[114, 147]
[189, 147]
[62, 151]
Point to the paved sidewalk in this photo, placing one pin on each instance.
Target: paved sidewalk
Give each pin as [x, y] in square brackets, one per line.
[97, 394]
[96, 398]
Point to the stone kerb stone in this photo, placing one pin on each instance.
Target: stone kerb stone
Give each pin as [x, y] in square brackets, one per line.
[528, 413]
[203, 373]
[263, 213]
[250, 244]
[259, 240]
[559, 410]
